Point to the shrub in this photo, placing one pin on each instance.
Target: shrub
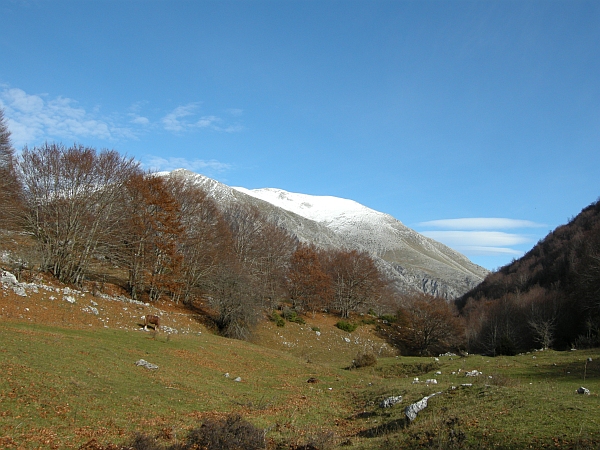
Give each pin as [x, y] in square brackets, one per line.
[277, 319]
[143, 442]
[292, 316]
[506, 347]
[407, 369]
[364, 359]
[390, 318]
[346, 326]
[231, 433]
[315, 329]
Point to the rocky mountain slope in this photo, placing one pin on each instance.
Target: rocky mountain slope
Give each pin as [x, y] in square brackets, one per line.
[411, 260]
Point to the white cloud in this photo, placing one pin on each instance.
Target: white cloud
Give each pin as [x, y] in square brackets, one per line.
[139, 120]
[474, 250]
[477, 238]
[181, 119]
[36, 118]
[158, 163]
[481, 223]
[173, 122]
[207, 121]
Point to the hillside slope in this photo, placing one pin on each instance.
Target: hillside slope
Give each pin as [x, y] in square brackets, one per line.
[559, 279]
[70, 379]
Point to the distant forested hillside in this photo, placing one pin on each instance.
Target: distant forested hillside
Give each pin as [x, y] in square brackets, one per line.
[548, 298]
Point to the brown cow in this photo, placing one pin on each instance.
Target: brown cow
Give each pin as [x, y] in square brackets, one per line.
[151, 319]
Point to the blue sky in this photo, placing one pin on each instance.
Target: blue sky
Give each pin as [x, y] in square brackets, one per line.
[474, 122]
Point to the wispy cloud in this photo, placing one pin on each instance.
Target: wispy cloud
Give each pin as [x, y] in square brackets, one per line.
[174, 120]
[184, 118]
[139, 120]
[32, 118]
[236, 112]
[157, 163]
[482, 235]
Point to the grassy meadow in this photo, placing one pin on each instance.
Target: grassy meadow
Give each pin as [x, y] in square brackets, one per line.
[62, 386]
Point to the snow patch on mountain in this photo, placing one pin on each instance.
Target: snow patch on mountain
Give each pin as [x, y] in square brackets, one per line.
[320, 208]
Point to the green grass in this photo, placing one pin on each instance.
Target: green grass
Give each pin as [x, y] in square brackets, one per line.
[72, 385]
[60, 387]
[527, 403]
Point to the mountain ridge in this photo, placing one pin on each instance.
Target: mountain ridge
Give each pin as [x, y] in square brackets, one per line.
[414, 262]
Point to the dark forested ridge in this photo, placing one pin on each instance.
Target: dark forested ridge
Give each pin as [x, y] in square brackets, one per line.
[549, 297]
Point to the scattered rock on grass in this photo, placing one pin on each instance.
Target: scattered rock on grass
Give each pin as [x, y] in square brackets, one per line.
[412, 410]
[9, 280]
[146, 364]
[390, 401]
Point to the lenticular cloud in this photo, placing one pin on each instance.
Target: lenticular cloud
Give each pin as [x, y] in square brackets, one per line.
[481, 223]
[481, 235]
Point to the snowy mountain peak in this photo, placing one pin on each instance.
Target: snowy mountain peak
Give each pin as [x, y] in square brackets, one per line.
[320, 208]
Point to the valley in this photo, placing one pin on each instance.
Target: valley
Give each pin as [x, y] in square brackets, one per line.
[69, 380]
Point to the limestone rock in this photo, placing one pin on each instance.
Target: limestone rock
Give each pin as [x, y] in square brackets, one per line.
[412, 410]
[390, 401]
[146, 364]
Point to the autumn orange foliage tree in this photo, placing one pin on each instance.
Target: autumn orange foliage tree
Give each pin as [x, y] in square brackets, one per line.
[150, 237]
[310, 287]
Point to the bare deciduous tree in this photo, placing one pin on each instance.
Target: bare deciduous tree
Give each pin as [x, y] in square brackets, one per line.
[543, 315]
[205, 241]
[236, 308]
[357, 283]
[70, 195]
[263, 248]
[429, 323]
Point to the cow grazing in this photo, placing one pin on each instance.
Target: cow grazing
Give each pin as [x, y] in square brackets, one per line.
[150, 319]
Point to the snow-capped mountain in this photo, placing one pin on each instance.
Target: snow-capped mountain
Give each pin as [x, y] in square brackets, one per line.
[412, 260]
